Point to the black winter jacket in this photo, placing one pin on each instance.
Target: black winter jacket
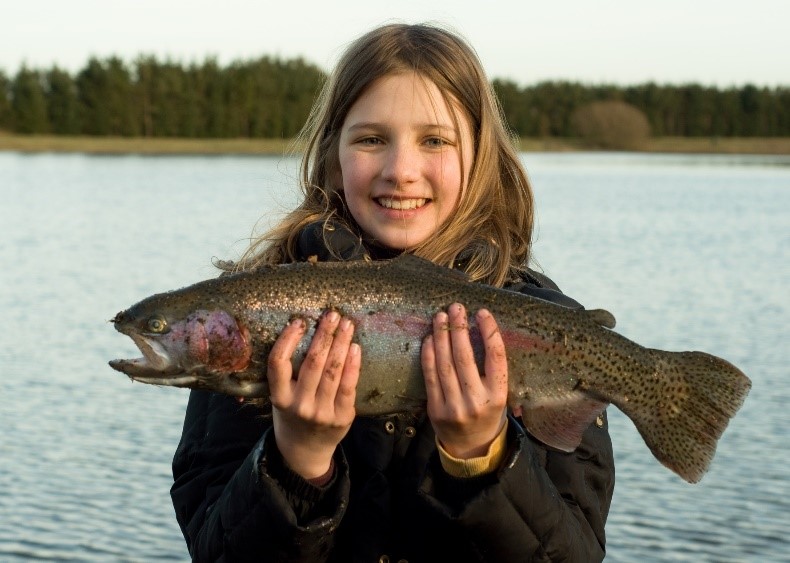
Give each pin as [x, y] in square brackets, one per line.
[389, 499]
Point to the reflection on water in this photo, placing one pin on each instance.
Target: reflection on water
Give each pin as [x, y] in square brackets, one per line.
[688, 252]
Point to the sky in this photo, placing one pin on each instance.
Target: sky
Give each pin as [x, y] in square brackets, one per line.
[625, 42]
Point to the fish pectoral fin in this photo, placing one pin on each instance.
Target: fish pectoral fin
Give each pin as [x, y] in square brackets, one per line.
[560, 422]
[244, 384]
[601, 317]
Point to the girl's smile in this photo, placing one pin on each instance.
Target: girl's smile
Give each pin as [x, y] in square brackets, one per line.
[405, 157]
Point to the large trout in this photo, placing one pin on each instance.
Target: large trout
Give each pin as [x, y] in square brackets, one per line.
[565, 365]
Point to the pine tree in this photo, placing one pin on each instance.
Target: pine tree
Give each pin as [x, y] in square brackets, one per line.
[28, 103]
[6, 112]
[62, 103]
[106, 98]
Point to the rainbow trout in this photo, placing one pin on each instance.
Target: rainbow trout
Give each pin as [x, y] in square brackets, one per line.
[565, 365]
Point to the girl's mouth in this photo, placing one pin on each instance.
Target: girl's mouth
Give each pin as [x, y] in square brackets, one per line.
[401, 204]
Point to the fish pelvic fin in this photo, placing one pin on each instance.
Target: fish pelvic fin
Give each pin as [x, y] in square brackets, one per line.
[687, 409]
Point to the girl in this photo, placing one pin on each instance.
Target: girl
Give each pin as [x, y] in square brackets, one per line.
[406, 152]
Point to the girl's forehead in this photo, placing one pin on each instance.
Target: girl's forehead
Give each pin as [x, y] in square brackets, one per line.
[408, 91]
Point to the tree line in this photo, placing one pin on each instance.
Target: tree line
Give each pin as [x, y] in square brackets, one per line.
[689, 110]
[270, 98]
[266, 98]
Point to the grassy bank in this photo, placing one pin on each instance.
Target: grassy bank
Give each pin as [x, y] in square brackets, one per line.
[691, 145]
[140, 145]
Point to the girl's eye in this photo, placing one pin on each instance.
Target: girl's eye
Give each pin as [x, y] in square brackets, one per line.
[370, 141]
[156, 324]
[436, 142]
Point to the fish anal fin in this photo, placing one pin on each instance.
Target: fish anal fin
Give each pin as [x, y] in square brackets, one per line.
[560, 423]
[601, 317]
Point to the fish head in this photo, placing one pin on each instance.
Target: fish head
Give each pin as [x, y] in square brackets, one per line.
[196, 348]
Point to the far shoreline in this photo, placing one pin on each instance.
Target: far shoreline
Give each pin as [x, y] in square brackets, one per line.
[279, 147]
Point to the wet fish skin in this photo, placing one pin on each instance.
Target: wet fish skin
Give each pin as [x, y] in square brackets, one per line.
[565, 365]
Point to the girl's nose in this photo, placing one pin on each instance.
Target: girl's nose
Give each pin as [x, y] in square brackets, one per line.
[401, 165]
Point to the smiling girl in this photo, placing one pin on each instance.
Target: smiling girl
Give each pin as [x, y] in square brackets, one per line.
[406, 152]
[404, 160]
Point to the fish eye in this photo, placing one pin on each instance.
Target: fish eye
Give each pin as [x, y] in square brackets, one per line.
[156, 324]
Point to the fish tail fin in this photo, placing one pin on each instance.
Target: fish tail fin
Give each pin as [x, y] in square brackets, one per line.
[695, 396]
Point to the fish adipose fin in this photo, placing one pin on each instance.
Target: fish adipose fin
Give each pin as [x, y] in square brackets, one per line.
[601, 317]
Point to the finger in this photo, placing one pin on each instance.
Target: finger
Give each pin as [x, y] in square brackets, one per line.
[463, 354]
[433, 389]
[347, 386]
[279, 369]
[315, 360]
[496, 373]
[335, 361]
[445, 363]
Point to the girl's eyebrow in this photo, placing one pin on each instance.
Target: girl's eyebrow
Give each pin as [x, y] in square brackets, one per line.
[364, 125]
[423, 126]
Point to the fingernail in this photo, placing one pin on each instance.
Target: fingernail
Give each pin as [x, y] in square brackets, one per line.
[332, 316]
[297, 322]
[345, 323]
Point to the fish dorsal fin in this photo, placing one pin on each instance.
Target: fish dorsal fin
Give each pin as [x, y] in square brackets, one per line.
[424, 267]
[601, 316]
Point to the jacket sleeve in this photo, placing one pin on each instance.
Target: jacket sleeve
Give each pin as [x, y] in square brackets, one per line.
[228, 493]
[542, 504]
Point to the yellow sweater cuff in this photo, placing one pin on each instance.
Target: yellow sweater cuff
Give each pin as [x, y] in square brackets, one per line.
[473, 467]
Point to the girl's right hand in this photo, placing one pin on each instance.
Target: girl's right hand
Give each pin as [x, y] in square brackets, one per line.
[314, 411]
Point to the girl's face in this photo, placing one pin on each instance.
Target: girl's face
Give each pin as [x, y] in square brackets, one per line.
[401, 160]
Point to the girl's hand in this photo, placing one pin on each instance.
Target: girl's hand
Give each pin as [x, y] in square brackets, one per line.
[313, 411]
[467, 409]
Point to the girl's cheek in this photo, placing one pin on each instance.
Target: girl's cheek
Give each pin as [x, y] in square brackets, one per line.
[448, 175]
[360, 180]
[351, 173]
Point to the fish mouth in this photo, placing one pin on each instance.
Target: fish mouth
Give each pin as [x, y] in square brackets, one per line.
[237, 385]
[140, 370]
[155, 366]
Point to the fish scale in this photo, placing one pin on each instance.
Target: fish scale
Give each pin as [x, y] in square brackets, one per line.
[565, 365]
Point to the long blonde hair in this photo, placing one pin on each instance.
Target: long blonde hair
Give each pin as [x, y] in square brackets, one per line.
[489, 234]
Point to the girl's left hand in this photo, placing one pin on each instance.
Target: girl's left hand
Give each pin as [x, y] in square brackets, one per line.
[467, 409]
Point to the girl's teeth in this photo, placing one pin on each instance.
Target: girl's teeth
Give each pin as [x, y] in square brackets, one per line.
[401, 204]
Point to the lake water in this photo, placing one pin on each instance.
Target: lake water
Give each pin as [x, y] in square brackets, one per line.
[688, 252]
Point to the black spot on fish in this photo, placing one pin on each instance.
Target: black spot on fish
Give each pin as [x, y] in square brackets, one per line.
[373, 395]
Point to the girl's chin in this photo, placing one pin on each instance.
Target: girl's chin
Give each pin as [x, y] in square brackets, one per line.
[397, 242]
